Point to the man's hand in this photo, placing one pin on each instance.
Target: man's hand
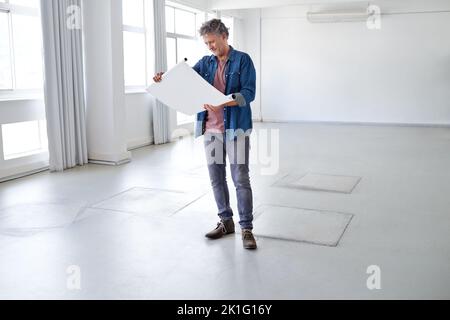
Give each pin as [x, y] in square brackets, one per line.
[209, 107]
[212, 108]
[158, 77]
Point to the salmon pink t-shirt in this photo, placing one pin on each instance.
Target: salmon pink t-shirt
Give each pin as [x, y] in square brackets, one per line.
[214, 121]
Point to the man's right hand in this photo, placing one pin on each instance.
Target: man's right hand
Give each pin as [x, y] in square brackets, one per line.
[158, 77]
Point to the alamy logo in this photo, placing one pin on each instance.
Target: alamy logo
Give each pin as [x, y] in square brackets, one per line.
[74, 17]
[374, 20]
[74, 278]
[374, 280]
[264, 150]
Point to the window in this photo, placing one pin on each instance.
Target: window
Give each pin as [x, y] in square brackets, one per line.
[24, 138]
[229, 22]
[211, 15]
[133, 13]
[171, 52]
[21, 54]
[5, 53]
[170, 19]
[183, 41]
[21, 75]
[185, 23]
[25, 3]
[134, 59]
[182, 26]
[136, 44]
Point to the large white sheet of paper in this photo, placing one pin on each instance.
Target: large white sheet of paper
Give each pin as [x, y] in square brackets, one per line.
[184, 90]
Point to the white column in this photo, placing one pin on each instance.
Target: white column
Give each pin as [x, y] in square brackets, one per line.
[105, 93]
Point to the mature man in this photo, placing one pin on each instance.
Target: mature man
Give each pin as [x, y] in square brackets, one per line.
[226, 128]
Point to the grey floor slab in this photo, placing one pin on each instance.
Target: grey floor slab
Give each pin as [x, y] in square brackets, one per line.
[201, 171]
[320, 182]
[204, 211]
[298, 224]
[29, 218]
[401, 224]
[149, 201]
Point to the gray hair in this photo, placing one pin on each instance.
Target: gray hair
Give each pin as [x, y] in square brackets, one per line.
[215, 26]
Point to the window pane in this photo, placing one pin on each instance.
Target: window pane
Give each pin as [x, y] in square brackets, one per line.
[183, 118]
[171, 53]
[134, 58]
[27, 52]
[200, 19]
[170, 19]
[193, 50]
[24, 138]
[5, 61]
[185, 22]
[212, 16]
[26, 3]
[133, 12]
[229, 23]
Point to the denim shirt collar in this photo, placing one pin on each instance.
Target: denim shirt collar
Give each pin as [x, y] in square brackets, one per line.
[231, 54]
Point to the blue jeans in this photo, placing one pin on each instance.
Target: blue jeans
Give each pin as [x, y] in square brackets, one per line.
[238, 154]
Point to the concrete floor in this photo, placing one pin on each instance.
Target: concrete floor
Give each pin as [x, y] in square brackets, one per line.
[400, 208]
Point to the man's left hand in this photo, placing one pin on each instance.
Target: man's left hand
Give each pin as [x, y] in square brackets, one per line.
[210, 107]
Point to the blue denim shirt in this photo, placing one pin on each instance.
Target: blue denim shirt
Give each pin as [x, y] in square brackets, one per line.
[240, 77]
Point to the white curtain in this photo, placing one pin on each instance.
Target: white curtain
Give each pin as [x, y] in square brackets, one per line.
[161, 115]
[64, 91]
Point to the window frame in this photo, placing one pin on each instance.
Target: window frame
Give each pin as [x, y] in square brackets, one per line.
[43, 141]
[174, 35]
[12, 93]
[146, 31]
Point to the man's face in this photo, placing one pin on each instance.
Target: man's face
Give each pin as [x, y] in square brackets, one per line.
[216, 43]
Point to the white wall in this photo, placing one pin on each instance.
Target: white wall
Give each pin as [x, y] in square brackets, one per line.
[139, 120]
[252, 46]
[347, 73]
[247, 38]
[104, 80]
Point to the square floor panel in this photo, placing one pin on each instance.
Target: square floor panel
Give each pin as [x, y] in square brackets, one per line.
[30, 218]
[148, 201]
[303, 225]
[320, 182]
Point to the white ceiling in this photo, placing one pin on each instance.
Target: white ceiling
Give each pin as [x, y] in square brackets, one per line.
[385, 4]
[249, 4]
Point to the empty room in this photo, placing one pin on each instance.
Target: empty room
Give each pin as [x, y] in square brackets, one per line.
[224, 150]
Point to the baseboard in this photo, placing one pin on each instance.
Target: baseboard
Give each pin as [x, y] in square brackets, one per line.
[109, 163]
[139, 143]
[110, 159]
[24, 171]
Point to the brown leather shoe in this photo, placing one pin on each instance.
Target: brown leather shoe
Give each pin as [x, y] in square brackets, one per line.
[248, 240]
[223, 227]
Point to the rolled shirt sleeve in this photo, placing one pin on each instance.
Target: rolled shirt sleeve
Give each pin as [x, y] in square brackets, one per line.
[248, 83]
